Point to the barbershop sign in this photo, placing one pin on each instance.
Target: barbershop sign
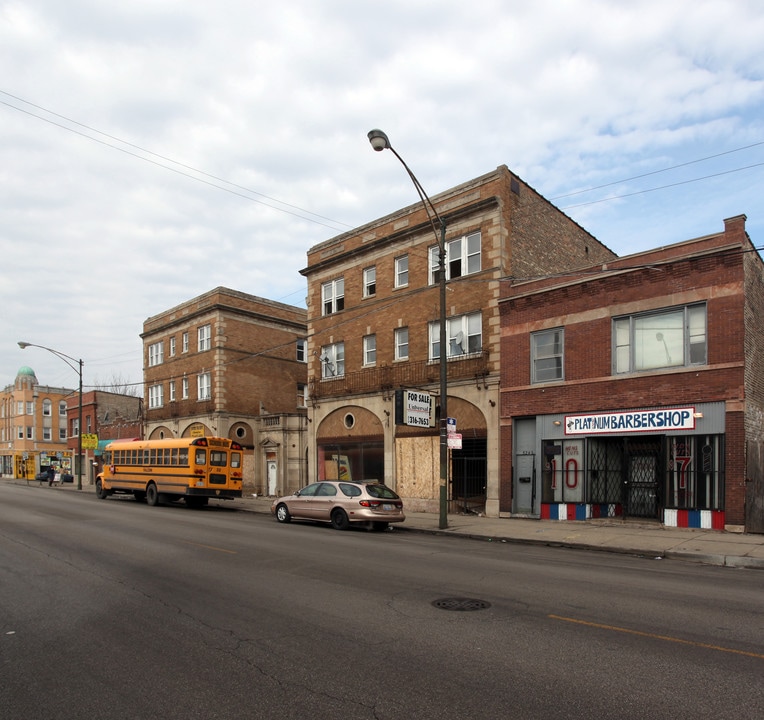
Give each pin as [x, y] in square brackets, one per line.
[636, 421]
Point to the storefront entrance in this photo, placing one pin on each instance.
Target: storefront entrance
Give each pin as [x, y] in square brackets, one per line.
[627, 471]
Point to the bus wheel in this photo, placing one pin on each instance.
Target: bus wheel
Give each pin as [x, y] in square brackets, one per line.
[340, 519]
[101, 494]
[152, 496]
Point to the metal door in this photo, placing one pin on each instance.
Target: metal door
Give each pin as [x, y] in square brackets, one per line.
[524, 484]
[641, 487]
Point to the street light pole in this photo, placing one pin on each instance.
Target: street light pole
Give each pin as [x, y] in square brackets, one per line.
[379, 141]
[69, 360]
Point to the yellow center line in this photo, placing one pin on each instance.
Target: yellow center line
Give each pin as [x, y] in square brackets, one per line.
[667, 638]
[211, 547]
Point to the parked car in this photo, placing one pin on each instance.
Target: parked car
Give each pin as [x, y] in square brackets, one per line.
[342, 504]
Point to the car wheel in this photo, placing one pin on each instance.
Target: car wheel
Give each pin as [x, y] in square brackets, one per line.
[379, 526]
[101, 494]
[340, 519]
[282, 513]
[152, 496]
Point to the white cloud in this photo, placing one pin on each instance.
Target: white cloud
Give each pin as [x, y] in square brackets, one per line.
[97, 235]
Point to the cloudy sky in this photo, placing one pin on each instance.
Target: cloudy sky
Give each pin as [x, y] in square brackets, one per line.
[153, 150]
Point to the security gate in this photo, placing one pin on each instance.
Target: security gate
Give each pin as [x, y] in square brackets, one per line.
[627, 471]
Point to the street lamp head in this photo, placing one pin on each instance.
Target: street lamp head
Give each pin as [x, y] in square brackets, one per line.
[379, 140]
[23, 345]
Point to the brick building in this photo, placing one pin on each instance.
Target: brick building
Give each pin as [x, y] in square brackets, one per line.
[232, 365]
[107, 416]
[636, 387]
[33, 427]
[373, 319]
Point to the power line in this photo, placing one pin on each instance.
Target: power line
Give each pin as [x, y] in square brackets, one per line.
[656, 172]
[318, 220]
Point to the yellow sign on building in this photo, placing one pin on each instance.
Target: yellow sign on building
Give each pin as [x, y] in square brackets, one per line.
[89, 441]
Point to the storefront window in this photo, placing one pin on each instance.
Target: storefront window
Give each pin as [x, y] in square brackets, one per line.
[695, 472]
[354, 462]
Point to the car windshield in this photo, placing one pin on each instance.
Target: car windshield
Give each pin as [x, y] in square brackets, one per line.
[381, 491]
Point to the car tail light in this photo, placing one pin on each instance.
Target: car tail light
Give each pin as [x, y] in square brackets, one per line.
[379, 503]
[370, 503]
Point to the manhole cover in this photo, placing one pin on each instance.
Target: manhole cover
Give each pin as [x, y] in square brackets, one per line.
[461, 604]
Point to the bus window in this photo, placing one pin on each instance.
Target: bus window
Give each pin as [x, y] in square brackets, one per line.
[153, 456]
[183, 456]
[166, 456]
[200, 458]
[235, 460]
[218, 458]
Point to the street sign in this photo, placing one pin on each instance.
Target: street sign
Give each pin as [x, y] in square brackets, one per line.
[451, 425]
[454, 441]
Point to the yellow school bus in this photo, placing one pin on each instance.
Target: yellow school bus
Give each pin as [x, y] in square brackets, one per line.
[194, 469]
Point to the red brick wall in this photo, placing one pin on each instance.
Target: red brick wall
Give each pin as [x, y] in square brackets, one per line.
[585, 307]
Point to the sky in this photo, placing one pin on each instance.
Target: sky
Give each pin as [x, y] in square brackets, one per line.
[154, 150]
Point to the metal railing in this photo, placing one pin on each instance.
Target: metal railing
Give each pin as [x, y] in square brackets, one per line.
[404, 374]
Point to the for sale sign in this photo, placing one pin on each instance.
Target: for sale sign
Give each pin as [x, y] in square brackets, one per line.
[415, 408]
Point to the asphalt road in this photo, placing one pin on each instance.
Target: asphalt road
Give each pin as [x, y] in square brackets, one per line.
[112, 609]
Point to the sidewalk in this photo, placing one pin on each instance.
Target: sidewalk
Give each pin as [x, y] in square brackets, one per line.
[711, 547]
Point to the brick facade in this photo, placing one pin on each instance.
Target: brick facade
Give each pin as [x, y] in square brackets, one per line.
[721, 272]
[521, 234]
[256, 364]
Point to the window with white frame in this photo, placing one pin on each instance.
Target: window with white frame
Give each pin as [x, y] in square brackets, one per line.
[333, 296]
[156, 396]
[20, 432]
[370, 350]
[47, 434]
[184, 342]
[332, 360]
[75, 427]
[401, 336]
[62, 409]
[156, 354]
[673, 337]
[62, 433]
[302, 395]
[184, 388]
[547, 355]
[370, 282]
[19, 407]
[465, 336]
[463, 257]
[302, 347]
[402, 271]
[204, 386]
[171, 387]
[172, 346]
[30, 407]
[30, 432]
[204, 334]
[47, 407]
